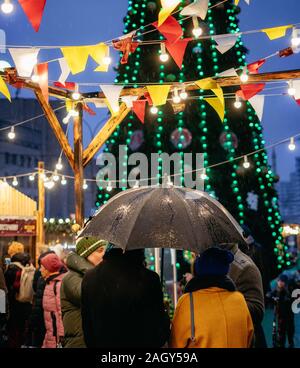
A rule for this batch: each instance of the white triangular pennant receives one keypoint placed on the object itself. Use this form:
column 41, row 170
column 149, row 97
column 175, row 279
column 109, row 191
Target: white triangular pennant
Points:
column 65, row 70
column 112, row 93
column 225, row 43
column 128, row 100
column 25, row 60
column 296, row 85
column 258, row 103
column 228, row 73
column 198, row 8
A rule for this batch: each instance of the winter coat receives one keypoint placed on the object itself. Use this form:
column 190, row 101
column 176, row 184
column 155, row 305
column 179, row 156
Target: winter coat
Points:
column 18, row 312
column 221, row 316
column 52, row 311
column 70, row 294
column 247, row 278
column 2, row 281
column 122, row 305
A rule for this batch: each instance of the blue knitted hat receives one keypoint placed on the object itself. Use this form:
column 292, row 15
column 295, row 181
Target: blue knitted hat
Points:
column 213, row 262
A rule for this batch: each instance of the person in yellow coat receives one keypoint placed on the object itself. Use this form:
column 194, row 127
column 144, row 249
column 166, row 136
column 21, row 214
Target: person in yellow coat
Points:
column 211, row 313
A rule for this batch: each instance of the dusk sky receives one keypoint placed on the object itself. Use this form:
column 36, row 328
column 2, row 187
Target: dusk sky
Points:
column 69, row 22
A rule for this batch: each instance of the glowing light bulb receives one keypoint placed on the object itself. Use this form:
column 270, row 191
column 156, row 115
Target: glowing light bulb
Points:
column 66, row 119
column 246, row 163
column 203, row 175
column 238, row 103
column 107, row 60
column 164, row 57
column 109, row 188
column 291, row 90
column 31, row 177
column 244, row 77
column 292, row 145
column 183, row 94
column 63, row 181
column 59, row 164
column 154, row 110
column 49, row 184
column 85, row 185
column 55, row 176
column 35, row 78
column 7, row 7
column 12, row 135
column 76, row 95
column 15, row 181
column 197, row 31
column 176, row 98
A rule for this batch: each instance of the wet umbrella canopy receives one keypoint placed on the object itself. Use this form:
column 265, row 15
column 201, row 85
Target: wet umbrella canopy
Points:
column 174, row 217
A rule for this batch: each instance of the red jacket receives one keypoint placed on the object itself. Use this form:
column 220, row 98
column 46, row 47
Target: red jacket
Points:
column 52, row 311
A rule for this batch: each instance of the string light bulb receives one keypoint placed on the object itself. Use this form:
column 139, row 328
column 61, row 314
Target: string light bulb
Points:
column 176, row 98
column 164, row 57
column 109, row 187
column 15, row 181
column 154, row 110
column 55, row 176
column 292, row 145
column 12, row 135
column 291, row 89
column 59, row 164
column 237, row 103
column 244, row 76
column 183, row 94
column 31, row 177
column 85, row 185
column 197, row 30
column 203, row 175
column 7, row 7
column 35, row 78
column 76, row 95
column 66, row 119
column 49, row 184
column 246, row 163
column 63, row 181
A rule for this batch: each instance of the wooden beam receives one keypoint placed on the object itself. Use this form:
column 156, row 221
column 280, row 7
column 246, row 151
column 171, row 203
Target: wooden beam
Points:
column 55, row 125
column 40, row 236
column 102, row 136
column 78, row 168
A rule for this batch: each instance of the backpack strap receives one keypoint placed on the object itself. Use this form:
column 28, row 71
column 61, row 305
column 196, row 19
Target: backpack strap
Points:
column 55, row 287
column 192, row 317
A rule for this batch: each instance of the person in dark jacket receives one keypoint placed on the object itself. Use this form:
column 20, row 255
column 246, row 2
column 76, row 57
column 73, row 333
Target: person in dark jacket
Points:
column 89, row 253
column 247, row 278
column 284, row 315
column 3, row 302
column 37, row 329
column 122, row 304
column 19, row 312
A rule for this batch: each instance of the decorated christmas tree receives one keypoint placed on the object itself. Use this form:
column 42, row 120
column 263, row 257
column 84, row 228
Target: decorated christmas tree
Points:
column 245, row 187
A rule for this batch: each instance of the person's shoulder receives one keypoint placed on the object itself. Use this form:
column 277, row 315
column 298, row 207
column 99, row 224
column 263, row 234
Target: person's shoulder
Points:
column 242, row 261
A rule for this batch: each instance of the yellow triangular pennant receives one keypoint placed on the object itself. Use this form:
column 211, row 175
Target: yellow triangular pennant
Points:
column 76, row 57
column 216, row 104
column 69, row 105
column 219, row 93
column 207, row 83
column 236, row 2
column 4, row 90
column 113, row 112
column 276, row 32
column 159, row 94
column 98, row 53
column 166, row 10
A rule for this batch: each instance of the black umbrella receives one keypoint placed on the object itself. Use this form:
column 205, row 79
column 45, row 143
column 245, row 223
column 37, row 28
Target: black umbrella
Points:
column 156, row 217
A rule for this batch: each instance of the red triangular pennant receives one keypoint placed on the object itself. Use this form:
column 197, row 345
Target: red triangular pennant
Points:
column 171, row 29
column 253, row 67
column 34, row 10
column 42, row 72
column 67, row 85
column 88, row 110
column 249, row 90
column 139, row 107
column 148, row 98
column 297, row 101
column 177, row 50
column 127, row 46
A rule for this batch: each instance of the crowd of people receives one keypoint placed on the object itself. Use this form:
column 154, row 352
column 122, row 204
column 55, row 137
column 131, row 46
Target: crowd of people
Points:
column 99, row 296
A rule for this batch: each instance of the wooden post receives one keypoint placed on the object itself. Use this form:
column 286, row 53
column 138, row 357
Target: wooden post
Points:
column 40, row 238
column 78, row 167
